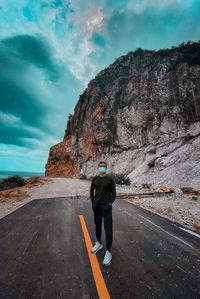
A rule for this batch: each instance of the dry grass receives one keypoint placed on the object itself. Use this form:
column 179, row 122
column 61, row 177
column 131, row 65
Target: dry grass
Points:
column 159, row 210
column 169, row 210
column 196, row 227
column 163, row 210
column 20, row 193
column 16, row 193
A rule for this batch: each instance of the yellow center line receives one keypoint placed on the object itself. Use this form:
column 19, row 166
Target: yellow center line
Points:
column 98, row 277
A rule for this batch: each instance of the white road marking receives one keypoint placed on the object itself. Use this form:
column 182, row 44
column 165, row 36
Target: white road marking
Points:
column 191, row 232
column 186, row 243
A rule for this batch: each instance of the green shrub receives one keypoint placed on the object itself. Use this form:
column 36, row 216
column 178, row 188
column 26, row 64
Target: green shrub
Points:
column 152, row 162
column 187, row 189
column 121, row 178
column 146, row 186
column 12, row 182
column 83, row 177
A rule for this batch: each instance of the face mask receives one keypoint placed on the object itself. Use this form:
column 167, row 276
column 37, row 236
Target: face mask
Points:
column 102, row 169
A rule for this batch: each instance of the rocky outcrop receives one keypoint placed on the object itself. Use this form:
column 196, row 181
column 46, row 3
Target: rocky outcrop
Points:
column 136, row 114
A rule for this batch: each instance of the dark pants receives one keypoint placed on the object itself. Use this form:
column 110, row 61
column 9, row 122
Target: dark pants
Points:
column 103, row 211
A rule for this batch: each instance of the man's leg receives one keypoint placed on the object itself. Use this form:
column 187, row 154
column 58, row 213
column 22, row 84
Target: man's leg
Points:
column 107, row 215
column 98, row 221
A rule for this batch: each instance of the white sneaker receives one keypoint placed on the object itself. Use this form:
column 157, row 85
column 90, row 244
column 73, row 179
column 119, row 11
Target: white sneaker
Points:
column 96, row 247
column 107, row 258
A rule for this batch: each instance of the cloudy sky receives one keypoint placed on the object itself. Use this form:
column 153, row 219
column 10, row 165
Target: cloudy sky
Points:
column 50, row 50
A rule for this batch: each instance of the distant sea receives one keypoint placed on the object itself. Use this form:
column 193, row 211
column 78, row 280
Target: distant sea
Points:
column 25, row 174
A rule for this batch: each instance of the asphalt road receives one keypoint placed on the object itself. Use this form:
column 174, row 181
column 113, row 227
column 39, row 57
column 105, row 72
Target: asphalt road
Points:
column 43, row 253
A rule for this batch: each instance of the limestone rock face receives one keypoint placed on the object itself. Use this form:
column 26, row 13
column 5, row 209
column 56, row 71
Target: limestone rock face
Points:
column 144, row 102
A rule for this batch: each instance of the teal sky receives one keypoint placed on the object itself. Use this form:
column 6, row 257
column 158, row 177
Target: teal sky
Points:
column 50, row 50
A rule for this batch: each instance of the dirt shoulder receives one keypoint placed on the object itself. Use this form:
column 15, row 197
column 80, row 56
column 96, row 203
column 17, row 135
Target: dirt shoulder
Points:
column 178, row 208
column 13, row 198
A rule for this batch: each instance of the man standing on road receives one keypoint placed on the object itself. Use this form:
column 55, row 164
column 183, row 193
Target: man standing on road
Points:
column 105, row 193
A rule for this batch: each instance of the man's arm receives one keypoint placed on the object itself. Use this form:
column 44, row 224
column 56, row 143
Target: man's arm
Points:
column 113, row 190
column 92, row 190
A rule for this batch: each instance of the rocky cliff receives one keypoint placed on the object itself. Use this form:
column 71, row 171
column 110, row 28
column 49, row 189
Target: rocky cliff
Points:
column 142, row 115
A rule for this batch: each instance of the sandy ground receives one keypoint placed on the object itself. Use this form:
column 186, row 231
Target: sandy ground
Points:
column 177, row 207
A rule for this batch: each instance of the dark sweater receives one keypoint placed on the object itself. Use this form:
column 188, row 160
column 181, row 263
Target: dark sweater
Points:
column 105, row 191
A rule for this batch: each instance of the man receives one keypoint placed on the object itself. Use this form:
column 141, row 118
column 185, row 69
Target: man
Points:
column 105, row 193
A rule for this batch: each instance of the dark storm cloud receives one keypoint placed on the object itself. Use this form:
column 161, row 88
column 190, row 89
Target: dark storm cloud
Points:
column 15, row 100
column 16, row 134
column 29, row 49
column 24, row 62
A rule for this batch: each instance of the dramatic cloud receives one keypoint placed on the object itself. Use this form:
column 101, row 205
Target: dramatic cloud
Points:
column 50, row 50
column 32, row 50
column 144, row 24
column 31, row 87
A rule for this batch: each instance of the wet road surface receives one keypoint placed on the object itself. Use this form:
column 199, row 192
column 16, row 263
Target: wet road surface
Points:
column 43, row 253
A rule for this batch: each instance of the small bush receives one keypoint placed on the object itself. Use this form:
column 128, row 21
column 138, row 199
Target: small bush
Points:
column 187, row 138
column 159, row 210
column 152, row 151
column 120, row 178
column 151, row 163
column 12, row 182
column 187, row 189
column 83, row 177
column 146, row 186
column 169, row 210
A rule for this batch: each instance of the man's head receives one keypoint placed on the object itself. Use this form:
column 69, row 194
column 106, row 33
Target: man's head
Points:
column 102, row 166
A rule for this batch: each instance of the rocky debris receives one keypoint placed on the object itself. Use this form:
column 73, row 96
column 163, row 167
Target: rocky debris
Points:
column 178, row 164
column 142, row 115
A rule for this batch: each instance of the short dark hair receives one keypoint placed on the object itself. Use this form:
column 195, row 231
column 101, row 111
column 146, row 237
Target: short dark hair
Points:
column 102, row 162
